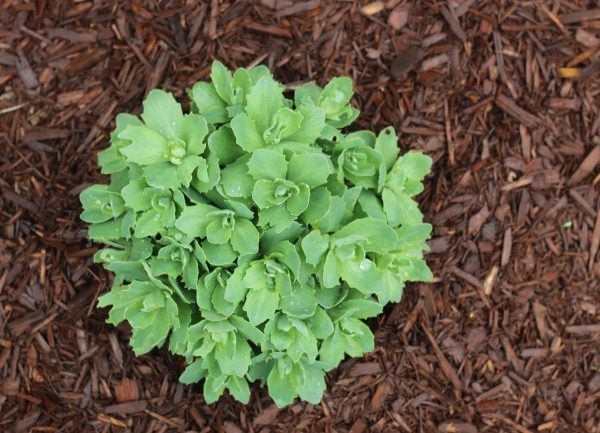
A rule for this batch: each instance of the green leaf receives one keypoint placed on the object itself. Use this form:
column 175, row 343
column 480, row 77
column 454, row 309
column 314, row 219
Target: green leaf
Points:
column 193, row 373
column 298, row 203
column 312, row 169
column 319, row 205
column 149, row 223
column 239, row 389
column 222, row 144
column 233, row 356
column 331, row 352
column 400, row 209
column 263, row 101
column 387, row 145
column 413, row 165
column 193, row 133
column 106, row 231
column 235, row 290
column 134, row 197
column 235, row 179
column 371, row 205
column 162, row 175
column 362, row 275
column 267, row 164
column 285, row 122
column 194, row 220
column 300, row 303
column 246, row 133
column 208, row 103
column 261, row 305
column 331, row 277
column 219, row 255
column 147, row 146
column 321, row 324
column 263, row 192
column 356, row 308
column 186, row 169
column 162, row 113
column 216, row 233
column 377, row 234
column 281, row 386
column 245, row 237
column 248, row 330
column 213, row 387
column 307, row 94
column 314, row 384
column 222, row 81
column 313, row 121
column 314, row 245
column 258, row 72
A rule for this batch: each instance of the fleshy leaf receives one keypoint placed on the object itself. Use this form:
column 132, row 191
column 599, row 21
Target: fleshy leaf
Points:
column 163, row 114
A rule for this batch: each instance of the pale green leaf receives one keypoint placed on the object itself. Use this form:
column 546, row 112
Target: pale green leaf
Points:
column 263, row 101
column 314, row 245
column 387, row 145
column 208, row 103
column 298, row 202
column 193, row 133
column 162, row 175
column 194, row 220
column 246, row 133
column 239, row 389
column 147, row 146
column 267, row 164
column 163, row 113
column 222, row 80
column 261, row 305
column 245, row 236
column 193, row 373
column 312, row 169
column 222, row 144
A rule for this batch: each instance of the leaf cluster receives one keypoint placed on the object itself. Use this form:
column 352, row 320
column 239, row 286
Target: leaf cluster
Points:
column 252, row 235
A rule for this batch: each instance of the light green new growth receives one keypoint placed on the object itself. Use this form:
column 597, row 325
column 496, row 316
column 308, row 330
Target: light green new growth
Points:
column 252, row 235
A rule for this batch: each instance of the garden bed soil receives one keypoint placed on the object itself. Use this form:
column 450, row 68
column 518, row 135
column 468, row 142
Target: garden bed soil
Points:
column 503, row 95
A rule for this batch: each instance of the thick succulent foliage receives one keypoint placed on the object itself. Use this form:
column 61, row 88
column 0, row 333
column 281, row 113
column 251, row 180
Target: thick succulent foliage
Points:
column 252, row 235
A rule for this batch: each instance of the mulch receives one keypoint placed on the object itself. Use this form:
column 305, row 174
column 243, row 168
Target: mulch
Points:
column 503, row 95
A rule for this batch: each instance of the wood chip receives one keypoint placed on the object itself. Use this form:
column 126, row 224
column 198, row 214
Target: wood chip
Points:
column 379, row 396
column 506, row 247
column 127, row 407
column 456, row 427
column 127, row 390
column 578, row 16
column 509, row 106
column 71, row 35
column 583, row 329
column 595, row 243
column 25, row 71
column 399, row 16
column 453, row 22
column 407, row 61
column 373, row 8
column 586, row 167
column 359, row 426
column 477, row 220
column 449, row 372
column 266, row 416
column 490, row 280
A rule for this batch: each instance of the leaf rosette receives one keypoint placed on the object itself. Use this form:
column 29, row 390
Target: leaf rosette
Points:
column 252, row 235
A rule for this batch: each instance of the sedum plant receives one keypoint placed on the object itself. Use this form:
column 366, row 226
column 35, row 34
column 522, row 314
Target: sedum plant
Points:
column 252, row 235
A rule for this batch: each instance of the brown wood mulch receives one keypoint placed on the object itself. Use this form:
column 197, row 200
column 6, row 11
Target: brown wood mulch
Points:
column 503, row 95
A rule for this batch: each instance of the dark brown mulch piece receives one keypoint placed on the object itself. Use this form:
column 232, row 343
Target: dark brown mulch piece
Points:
column 502, row 95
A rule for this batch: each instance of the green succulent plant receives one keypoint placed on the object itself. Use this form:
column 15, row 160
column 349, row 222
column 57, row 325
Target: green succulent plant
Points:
column 252, row 235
